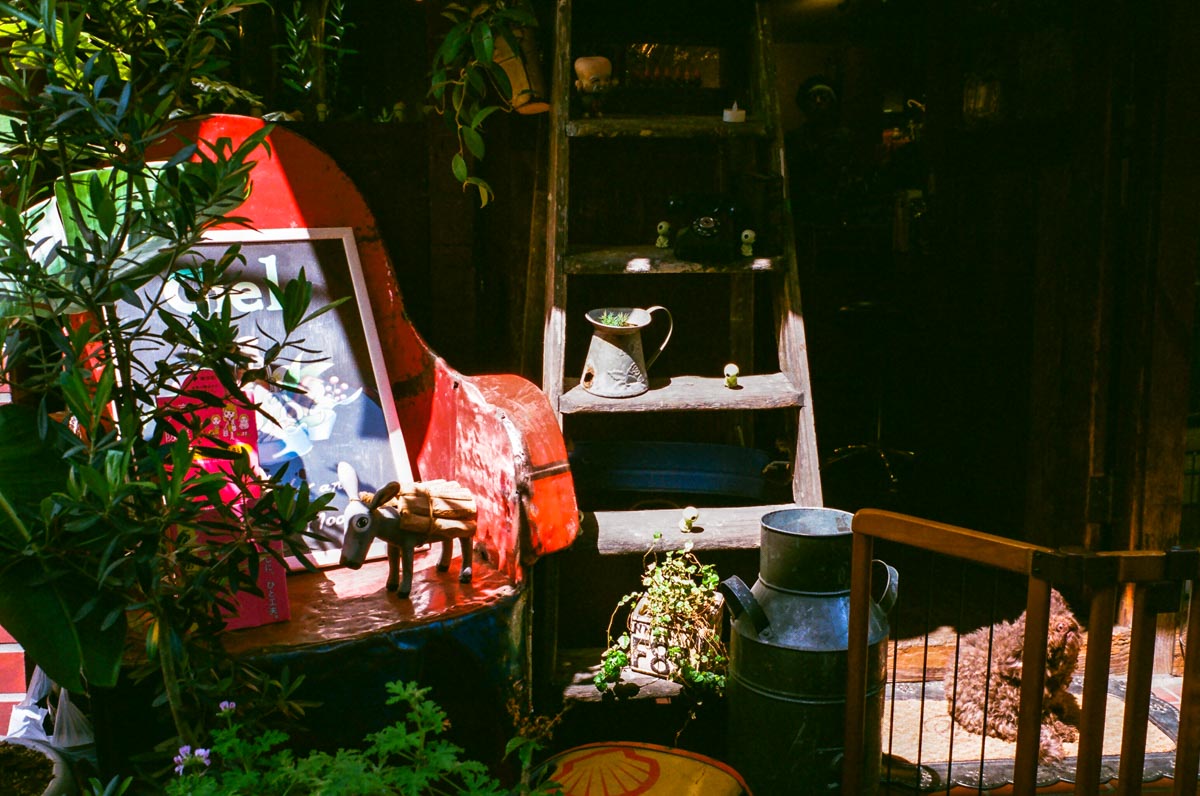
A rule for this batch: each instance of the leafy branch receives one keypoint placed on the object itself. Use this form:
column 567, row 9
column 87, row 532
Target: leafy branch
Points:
column 467, row 85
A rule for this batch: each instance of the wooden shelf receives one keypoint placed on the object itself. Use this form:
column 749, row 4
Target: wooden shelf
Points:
column 689, row 393
column 653, row 260
column 625, row 532
column 665, row 127
column 578, row 667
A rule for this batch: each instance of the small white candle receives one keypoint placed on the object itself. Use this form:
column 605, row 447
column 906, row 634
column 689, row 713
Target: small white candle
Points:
column 734, row 114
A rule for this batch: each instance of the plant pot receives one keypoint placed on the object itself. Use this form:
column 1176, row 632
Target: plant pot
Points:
column 27, row 765
column 524, row 71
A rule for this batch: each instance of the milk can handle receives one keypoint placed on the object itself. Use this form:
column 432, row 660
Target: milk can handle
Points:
column 888, row 598
column 740, row 599
column 670, row 328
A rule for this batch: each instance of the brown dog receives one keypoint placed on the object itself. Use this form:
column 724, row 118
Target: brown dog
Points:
column 971, row 684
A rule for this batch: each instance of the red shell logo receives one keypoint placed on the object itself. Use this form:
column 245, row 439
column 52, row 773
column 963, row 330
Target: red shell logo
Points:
column 608, row 772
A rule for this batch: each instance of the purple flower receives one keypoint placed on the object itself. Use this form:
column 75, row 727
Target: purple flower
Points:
column 227, row 706
column 181, row 759
column 186, row 757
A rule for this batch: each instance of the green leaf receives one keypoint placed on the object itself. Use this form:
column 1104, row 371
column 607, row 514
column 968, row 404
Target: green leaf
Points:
column 474, row 142
column 103, row 205
column 12, row 11
column 482, row 41
column 485, row 190
column 459, row 166
column 481, row 115
column 452, row 45
column 39, row 611
column 40, row 597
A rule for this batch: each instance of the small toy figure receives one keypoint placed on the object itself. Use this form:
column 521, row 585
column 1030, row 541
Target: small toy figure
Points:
column 690, row 515
column 405, row 523
column 594, row 80
column 664, row 235
column 731, row 374
column 748, row 237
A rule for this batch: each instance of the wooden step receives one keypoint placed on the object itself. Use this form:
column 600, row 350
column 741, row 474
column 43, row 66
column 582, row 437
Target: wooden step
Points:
column 689, row 393
column 625, row 532
column 653, row 260
column 665, row 127
column 576, row 670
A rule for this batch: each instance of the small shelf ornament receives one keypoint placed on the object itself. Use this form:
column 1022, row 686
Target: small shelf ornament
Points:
column 731, row 376
column 688, row 520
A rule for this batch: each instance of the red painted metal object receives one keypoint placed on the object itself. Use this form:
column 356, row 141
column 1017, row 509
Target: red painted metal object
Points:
column 496, row 435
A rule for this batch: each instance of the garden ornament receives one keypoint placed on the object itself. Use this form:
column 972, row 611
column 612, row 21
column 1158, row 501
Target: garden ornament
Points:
column 402, row 530
column 594, row 80
column 748, row 237
column 731, row 374
column 663, row 241
column 690, row 515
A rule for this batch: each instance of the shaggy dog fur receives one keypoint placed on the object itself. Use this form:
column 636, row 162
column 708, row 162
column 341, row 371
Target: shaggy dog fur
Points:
column 969, row 686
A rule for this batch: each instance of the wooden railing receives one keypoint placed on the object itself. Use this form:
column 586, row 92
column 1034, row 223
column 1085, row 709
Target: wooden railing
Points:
column 1156, row 578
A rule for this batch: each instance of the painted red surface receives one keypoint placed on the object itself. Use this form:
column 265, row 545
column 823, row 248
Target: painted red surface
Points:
column 494, row 434
column 12, row 677
column 12, row 673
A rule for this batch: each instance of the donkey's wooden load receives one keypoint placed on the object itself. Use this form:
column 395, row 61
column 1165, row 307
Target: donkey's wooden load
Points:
column 405, row 516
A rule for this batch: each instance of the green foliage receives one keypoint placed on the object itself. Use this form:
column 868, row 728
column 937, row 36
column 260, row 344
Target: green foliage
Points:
column 116, row 786
column 410, row 756
column 114, row 530
column 467, row 85
column 613, row 318
column 312, row 53
column 684, row 616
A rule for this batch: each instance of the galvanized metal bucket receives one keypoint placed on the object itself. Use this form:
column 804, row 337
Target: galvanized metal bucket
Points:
column 615, row 366
column 786, row 690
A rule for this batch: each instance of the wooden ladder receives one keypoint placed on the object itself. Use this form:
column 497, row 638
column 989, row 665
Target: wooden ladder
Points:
column 786, row 388
column 758, row 139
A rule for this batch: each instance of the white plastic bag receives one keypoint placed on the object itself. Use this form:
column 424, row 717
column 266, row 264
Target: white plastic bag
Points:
column 27, row 718
column 71, row 726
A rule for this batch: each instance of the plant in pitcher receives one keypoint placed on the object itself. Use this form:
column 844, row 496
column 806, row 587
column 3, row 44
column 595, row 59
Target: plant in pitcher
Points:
column 615, row 318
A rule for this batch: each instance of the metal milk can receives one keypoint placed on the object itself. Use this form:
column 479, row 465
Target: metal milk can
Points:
column 615, row 367
column 786, row 689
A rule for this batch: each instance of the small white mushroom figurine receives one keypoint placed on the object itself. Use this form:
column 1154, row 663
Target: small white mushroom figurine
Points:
column 748, row 237
column 664, row 235
column 690, row 515
column 731, row 374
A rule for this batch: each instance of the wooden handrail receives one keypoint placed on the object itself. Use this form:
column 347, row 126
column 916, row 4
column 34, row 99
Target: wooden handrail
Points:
column 950, row 540
column 1157, row 576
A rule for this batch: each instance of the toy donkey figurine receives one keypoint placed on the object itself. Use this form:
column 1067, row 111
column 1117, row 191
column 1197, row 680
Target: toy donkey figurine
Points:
column 419, row 516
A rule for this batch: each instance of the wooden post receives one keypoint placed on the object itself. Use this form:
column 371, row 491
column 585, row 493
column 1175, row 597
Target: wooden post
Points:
column 1095, row 690
column 1187, row 747
column 856, row 663
column 1033, row 685
column 1137, row 694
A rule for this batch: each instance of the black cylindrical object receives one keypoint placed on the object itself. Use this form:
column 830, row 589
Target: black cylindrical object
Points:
column 786, row 690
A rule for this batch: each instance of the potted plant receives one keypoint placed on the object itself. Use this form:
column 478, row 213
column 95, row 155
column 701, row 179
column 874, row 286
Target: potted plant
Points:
column 33, row 768
column 672, row 625
column 486, row 62
column 615, row 366
column 107, row 526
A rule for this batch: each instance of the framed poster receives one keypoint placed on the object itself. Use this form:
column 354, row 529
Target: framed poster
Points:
column 344, row 411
